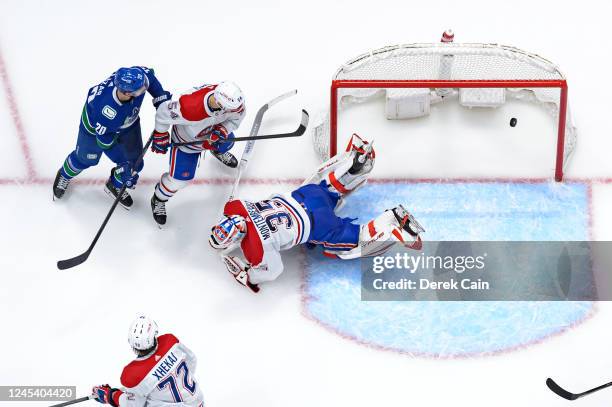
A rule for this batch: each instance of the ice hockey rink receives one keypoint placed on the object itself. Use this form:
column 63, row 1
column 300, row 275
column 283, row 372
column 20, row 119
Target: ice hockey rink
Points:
column 305, row 339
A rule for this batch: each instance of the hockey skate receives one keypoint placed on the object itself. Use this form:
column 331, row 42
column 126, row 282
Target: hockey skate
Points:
column 407, row 221
column 226, row 158
column 409, row 224
column 125, row 200
column 158, row 207
column 60, row 185
column 364, row 156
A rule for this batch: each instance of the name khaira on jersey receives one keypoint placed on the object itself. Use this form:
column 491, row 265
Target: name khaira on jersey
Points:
column 165, row 366
column 258, row 220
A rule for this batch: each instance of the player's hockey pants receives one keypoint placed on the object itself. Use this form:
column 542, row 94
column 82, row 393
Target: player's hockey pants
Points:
column 87, row 153
column 183, row 164
column 326, row 229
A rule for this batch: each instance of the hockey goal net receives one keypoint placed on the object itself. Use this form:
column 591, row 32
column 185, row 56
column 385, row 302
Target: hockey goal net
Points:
column 415, row 76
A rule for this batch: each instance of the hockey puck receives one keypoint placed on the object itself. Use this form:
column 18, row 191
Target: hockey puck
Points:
column 513, row 122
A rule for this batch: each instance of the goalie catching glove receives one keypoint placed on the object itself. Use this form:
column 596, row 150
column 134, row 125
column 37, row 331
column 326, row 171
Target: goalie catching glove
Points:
column 240, row 270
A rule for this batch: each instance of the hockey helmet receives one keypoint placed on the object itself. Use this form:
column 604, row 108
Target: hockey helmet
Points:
column 228, row 231
column 132, row 81
column 142, row 335
column 229, row 96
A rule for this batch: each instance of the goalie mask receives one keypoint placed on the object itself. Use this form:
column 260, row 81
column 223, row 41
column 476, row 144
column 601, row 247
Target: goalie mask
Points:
column 229, row 231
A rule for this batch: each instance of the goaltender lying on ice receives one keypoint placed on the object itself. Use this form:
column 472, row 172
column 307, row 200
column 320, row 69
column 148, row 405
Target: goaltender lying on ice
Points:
column 307, row 215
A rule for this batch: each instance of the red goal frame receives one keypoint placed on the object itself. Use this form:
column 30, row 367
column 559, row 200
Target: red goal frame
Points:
column 372, row 83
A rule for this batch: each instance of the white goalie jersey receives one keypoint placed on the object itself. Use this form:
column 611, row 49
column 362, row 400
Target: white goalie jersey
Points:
column 163, row 379
column 192, row 119
column 275, row 224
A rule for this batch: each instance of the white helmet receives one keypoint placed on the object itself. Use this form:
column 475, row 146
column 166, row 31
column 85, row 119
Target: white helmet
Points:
column 229, row 96
column 143, row 334
column 229, row 231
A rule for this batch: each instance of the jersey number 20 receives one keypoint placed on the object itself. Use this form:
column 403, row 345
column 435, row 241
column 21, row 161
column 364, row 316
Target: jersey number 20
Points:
column 179, row 377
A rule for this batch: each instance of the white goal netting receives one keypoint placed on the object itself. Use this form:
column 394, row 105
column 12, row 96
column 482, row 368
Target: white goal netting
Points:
column 478, row 75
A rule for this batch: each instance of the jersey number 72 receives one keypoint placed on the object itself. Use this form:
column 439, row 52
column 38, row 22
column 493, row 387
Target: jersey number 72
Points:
column 178, row 378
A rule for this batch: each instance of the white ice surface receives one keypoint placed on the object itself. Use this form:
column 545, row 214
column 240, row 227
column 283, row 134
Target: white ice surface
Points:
column 70, row 327
column 12, row 164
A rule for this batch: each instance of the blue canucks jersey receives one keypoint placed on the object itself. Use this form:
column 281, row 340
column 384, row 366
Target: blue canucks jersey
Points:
column 105, row 117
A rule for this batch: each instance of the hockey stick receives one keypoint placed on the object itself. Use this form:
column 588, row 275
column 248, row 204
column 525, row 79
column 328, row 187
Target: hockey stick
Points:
column 561, row 392
column 67, row 403
column 297, row 133
column 81, row 258
column 248, row 149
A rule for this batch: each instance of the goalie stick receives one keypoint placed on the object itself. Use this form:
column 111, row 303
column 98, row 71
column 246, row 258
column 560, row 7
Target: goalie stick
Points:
column 248, row 149
column 67, row 403
column 81, row 258
column 297, row 133
column 230, row 264
column 561, row 392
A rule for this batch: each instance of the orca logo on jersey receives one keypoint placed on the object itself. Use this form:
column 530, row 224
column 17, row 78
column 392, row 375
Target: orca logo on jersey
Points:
column 165, row 366
column 109, row 112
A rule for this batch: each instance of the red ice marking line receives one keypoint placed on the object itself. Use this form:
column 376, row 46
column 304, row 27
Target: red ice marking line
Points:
column 14, row 111
column 296, row 181
column 590, row 211
column 37, row 181
column 329, row 328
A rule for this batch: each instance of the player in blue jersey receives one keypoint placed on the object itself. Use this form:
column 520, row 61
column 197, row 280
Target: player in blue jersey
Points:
column 110, row 124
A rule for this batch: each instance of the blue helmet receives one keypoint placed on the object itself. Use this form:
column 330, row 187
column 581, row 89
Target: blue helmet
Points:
column 130, row 80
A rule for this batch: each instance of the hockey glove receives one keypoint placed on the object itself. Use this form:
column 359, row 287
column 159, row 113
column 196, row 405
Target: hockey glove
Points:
column 239, row 269
column 125, row 175
column 161, row 142
column 106, row 395
column 219, row 132
column 161, row 98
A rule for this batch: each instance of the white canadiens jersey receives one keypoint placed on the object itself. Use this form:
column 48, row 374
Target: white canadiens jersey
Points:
column 192, row 119
column 163, row 379
column 275, row 224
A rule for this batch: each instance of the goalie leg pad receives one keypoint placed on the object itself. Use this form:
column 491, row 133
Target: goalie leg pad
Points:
column 346, row 172
column 360, row 155
column 380, row 234
column 168, row 186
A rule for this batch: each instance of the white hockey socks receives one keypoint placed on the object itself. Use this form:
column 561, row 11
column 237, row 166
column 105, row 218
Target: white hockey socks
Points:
column 168, row 186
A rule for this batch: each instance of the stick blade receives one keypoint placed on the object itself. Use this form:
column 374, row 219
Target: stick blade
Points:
column 559, row 391
column 280, row 98
column 304, row 122
column 73, row 262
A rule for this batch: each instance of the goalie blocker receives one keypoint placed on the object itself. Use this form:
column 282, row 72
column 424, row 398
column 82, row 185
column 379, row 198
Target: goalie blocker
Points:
column 261, row 230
